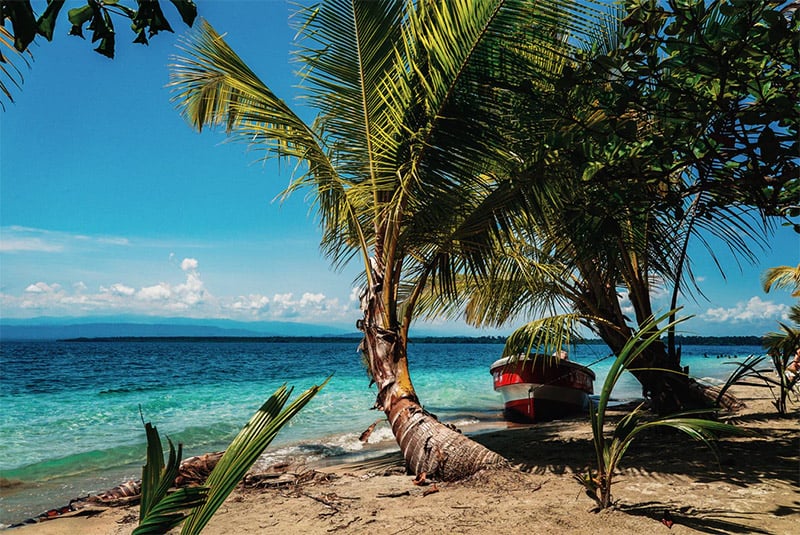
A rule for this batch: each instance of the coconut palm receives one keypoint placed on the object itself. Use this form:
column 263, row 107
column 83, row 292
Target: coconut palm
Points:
column 575, row 248
column 400, row 158
column 610, row 198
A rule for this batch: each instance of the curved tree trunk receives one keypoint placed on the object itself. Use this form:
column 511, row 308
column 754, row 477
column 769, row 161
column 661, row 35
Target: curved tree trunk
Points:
column 664, row 381
column 428, row 446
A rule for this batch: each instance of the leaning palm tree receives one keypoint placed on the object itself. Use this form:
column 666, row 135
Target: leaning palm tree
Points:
column 399, row 158
column 605, row 207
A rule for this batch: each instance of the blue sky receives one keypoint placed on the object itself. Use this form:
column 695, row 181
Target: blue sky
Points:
column 110, row 204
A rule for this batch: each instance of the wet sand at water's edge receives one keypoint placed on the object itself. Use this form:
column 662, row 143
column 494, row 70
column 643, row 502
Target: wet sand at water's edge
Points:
column 754, row 488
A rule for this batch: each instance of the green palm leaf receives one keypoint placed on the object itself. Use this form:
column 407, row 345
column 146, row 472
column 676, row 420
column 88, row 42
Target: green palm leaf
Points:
column 245, row 449
column 161, row 510
column 171, row 511
column 11, row 76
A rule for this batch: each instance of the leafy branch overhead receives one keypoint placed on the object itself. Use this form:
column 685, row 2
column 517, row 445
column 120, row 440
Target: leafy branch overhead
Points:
column 96, row 16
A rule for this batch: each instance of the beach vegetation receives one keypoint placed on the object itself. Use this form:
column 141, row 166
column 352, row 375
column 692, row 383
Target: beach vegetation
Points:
column 610, row 450
column 784, row 345
column 745, row 370
column 163, row 509
column 672, row 131
column 511, row 158
column 146, row 20
column 402, row 157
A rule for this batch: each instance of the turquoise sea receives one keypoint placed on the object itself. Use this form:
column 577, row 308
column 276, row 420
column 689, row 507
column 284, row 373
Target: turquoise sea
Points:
column 71, row 412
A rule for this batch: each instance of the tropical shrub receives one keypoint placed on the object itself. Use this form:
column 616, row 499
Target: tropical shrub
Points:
column 610, row 450
column 782, row 346
column 162, row 510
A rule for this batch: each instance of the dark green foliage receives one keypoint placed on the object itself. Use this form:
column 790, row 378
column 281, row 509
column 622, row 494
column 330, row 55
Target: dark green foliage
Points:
column 160, row 509
column 703, row 90
column 96, row 16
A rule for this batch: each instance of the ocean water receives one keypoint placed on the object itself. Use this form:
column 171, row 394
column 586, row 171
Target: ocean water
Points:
column 71, row 413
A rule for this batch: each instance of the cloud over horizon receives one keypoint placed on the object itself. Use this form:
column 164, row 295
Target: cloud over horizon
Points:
column 186, row 298
column 754, row 309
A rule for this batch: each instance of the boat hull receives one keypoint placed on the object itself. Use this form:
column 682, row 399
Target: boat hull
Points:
column 542, row 389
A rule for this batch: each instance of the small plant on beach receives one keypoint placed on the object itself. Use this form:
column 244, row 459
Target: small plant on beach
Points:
column 162, row 510
column 782, row 346
column 780, row 385
column 748, row 368
column 610, row 450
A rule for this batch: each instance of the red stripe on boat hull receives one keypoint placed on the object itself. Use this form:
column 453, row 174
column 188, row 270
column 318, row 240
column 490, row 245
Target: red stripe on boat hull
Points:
column 542, row 390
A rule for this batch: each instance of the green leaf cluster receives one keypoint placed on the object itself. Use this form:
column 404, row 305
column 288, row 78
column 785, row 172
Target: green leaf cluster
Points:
column 609, row 451
column 163, row 508
column 147, row 20
column 245, row 449
column 160, row 509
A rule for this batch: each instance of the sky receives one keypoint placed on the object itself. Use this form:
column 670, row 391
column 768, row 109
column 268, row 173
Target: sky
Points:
column 110, row 204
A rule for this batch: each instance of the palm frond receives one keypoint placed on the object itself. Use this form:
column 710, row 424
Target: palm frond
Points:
column 11, row 74
column 245, row 450
column 782, row 277
column 746, row 368
column 545, row 335
column 161, row 510
column 171, row 510
column 212, row 86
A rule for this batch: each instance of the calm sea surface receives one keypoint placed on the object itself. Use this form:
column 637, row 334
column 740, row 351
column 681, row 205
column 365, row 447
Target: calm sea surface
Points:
column 71, row 412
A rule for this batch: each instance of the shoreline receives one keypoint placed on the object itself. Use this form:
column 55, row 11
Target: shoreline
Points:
column 754, row 488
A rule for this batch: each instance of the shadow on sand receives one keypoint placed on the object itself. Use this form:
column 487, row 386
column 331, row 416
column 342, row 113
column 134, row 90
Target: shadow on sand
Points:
column 770, row 454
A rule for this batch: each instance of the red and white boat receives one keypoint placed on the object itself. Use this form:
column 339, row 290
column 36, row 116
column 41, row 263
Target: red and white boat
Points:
column 542, row 387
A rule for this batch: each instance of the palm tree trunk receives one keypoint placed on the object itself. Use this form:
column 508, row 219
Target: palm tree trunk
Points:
column 669, row 391
column 428, row 446
column 662, row 378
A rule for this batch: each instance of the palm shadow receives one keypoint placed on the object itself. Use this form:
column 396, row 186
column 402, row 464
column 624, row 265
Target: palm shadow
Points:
column 773, row 454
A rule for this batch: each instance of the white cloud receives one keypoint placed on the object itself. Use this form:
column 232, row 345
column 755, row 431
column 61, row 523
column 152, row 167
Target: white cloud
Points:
column 158, row 292
column 355, row 294
column 189, row 264
column 188, row 297
column 14, row 245
column 252, row 303
column 283, row 299
column 121, row 289
column 751, row 310
column 625, row 304
column 18, row 239
column 42, row 287
column 312, row 299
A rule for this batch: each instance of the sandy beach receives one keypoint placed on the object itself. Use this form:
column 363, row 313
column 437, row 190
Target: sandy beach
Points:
column 755, row 488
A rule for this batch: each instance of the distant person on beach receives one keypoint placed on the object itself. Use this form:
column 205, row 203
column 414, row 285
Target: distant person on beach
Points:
column 561, row 354
column 794, row 367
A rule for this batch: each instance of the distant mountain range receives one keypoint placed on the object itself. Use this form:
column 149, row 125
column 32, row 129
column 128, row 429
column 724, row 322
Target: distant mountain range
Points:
column 49, row 328
column 55, row 328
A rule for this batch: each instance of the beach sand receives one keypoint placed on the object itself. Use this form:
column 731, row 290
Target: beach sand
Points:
column 755, row 488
